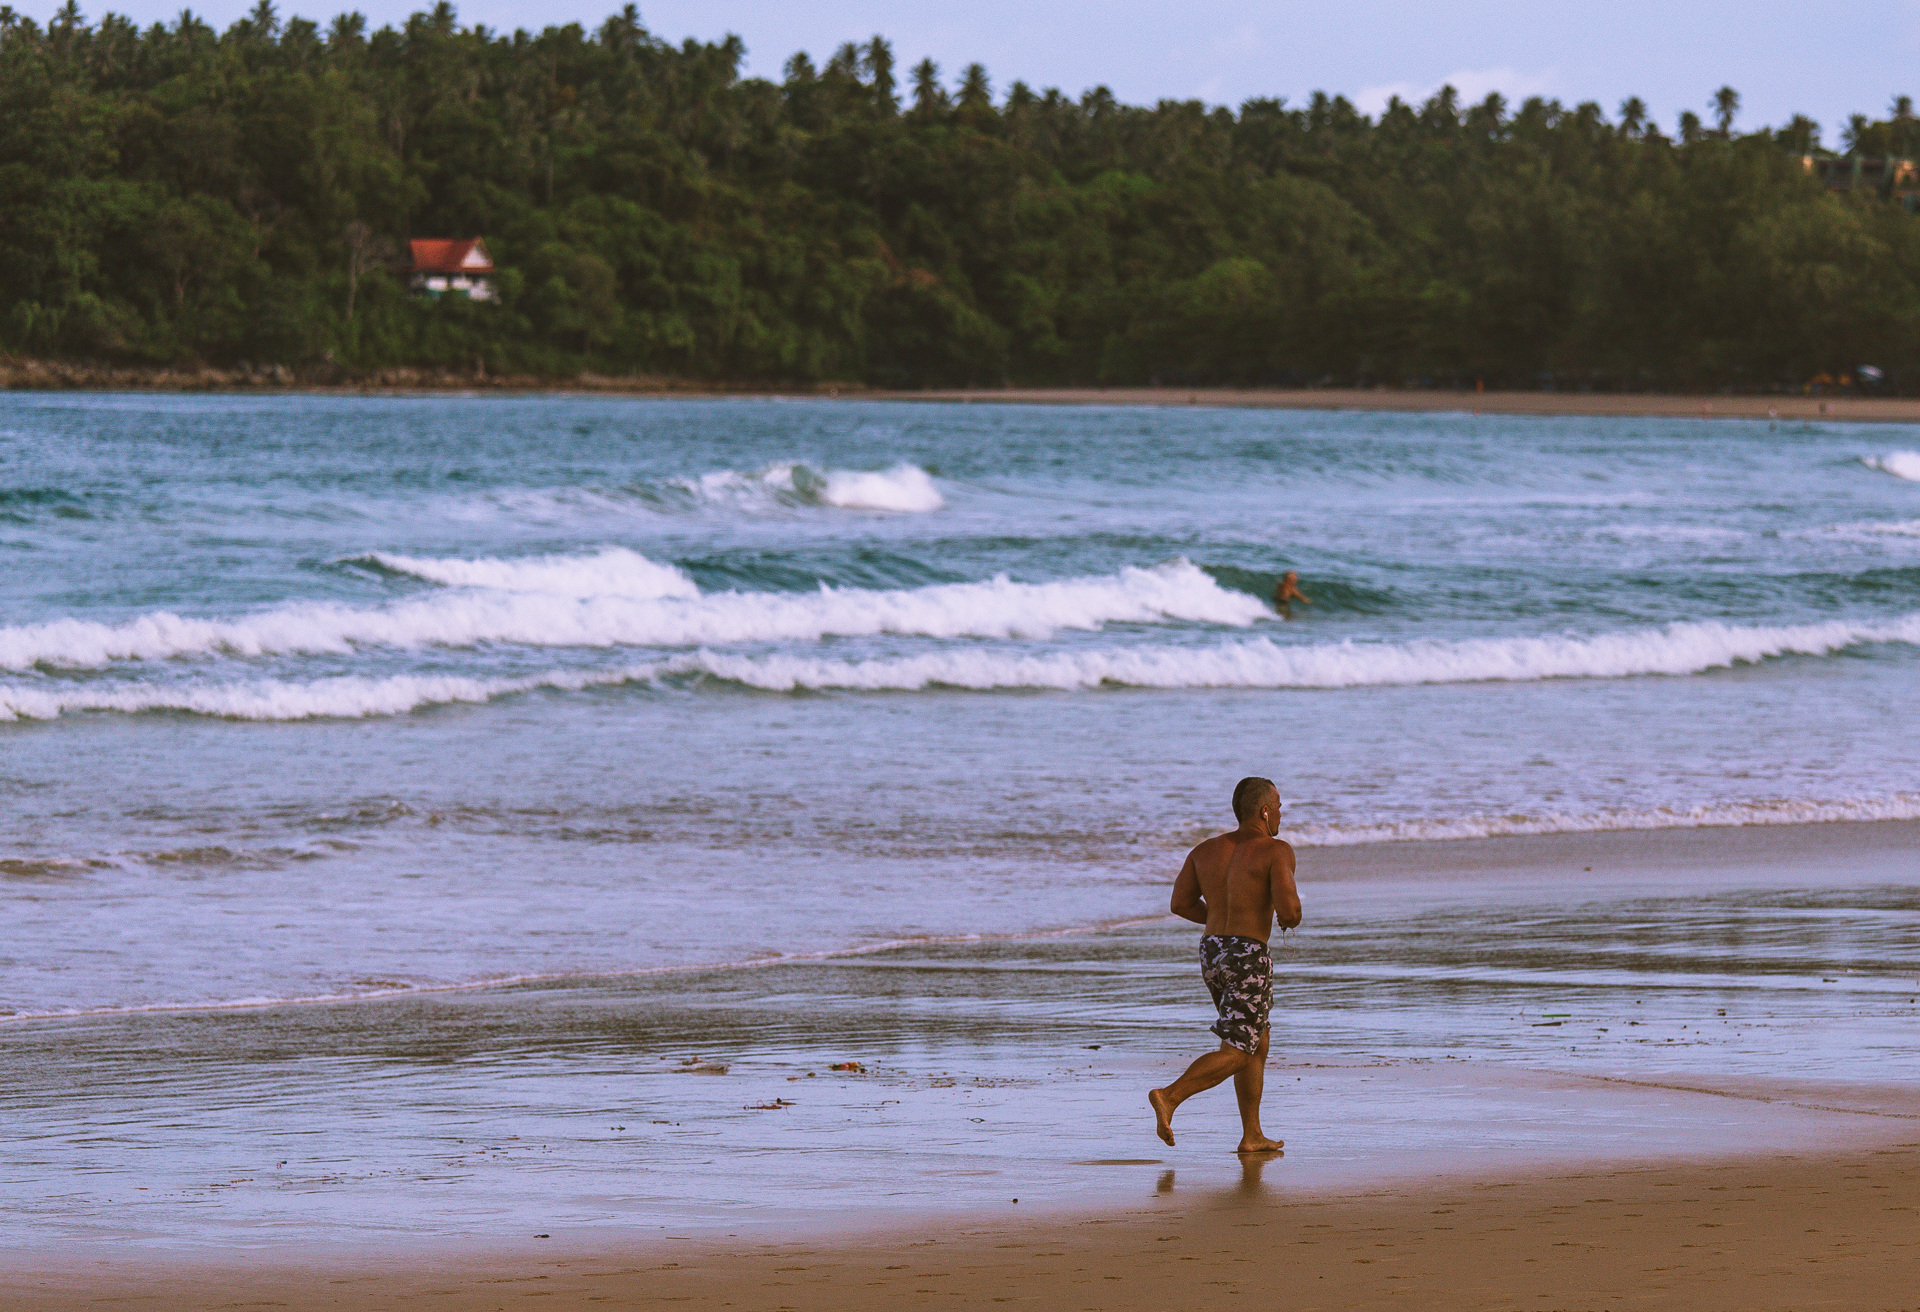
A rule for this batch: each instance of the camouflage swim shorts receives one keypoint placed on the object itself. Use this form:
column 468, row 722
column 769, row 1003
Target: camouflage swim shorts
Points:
column 1239, row 974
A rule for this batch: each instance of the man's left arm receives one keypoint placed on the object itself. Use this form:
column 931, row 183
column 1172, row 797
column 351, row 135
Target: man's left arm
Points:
column 1286, row 897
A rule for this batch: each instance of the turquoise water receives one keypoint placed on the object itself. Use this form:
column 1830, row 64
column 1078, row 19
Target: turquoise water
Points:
column 510, row 730
column 319, row 696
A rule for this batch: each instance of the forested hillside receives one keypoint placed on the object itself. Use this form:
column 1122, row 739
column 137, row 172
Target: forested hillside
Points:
column 181, row 194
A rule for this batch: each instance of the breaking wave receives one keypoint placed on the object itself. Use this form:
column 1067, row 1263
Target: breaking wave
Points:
column 1679, row 649
column 778, row 489
column 904, row 489
column 611, row 572
column 997, row 608
column 1901, row 464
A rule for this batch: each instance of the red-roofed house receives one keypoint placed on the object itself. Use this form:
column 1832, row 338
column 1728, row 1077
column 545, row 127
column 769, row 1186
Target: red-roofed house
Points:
column 445, row 264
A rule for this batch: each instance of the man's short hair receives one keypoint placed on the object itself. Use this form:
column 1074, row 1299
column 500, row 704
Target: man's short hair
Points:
column 1248, row 793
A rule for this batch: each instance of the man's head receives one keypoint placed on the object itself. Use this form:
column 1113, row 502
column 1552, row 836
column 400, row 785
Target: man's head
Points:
column 1255, row 799
column 1291, row 576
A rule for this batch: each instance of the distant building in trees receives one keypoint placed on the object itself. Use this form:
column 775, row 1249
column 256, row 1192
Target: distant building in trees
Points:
column 445, row 264
column 1891, row 176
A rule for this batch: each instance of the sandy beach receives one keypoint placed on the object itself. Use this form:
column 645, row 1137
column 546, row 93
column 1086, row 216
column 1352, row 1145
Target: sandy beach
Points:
column 1502, row 1172
column 1758, row 1231
column 1840, row 409
column 28, row 375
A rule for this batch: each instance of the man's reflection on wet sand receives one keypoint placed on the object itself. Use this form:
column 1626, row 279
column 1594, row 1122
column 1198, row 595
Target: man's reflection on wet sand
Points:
column 1250, row 1186
column 1251, row 1165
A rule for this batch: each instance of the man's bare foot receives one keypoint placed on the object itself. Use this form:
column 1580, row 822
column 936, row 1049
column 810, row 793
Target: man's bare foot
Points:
column 1262, row 1144
column 1162, row 1115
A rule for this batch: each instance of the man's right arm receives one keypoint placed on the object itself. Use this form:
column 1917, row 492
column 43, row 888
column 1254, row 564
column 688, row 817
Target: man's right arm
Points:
column 1188, row 903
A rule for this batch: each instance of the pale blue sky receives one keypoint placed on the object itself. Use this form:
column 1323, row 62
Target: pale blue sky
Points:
column 1826, row 60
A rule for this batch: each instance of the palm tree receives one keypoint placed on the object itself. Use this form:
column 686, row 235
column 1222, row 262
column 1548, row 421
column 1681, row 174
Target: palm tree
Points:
column 878, row 63
column 1633, row 116
column 975, row 91
column 1689, row 126
column 1856, row 134
column 622, row 31
column 348, row 31
column 1801, row 135
column 1725, row 103
column 845, row 64
column 928, row 95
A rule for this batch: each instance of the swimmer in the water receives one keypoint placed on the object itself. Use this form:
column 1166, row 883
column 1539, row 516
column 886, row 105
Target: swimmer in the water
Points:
column 1286, row 592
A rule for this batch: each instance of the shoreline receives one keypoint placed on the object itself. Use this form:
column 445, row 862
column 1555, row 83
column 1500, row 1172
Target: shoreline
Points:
column 1674, row 850
column 1756, row 1230
column 1655, row 854
column 1456, row 1169
column 55, row 377
column 1831, row 409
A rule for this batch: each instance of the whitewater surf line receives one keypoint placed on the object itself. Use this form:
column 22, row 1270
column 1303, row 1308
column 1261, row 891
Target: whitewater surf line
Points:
column 1259, row 663
column 665, row 616
column 1677, row 649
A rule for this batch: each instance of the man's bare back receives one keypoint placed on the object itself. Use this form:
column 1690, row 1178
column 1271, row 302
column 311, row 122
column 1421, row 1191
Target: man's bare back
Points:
column 1236, row 885
column 1236, row 879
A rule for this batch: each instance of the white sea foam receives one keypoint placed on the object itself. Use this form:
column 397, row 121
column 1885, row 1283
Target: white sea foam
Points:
column 997, row 608
column 1764, row 811
column 611, row 572
column 275, row 699
column 1679, row 649
column 780, row 488
column 905, row 488
column 1901, row 464
column 762, row 490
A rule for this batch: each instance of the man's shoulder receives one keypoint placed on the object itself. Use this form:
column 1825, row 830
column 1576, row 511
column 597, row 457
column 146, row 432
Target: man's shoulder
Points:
column 1213, row 848
column 1278, row 848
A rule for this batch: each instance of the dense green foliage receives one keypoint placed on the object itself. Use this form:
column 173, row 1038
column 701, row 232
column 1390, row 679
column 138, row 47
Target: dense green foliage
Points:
column 178, row 193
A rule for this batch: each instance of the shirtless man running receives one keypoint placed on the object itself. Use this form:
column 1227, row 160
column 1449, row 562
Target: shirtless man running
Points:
column 1236, row 885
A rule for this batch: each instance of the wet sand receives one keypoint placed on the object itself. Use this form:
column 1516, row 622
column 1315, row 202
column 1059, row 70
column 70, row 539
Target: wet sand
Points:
column 1843, row 409
column 1749, row 1232
column 1678, row 1078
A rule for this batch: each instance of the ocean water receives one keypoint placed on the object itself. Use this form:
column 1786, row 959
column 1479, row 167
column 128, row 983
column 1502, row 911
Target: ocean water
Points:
column 316, row 696
column 570, row 737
